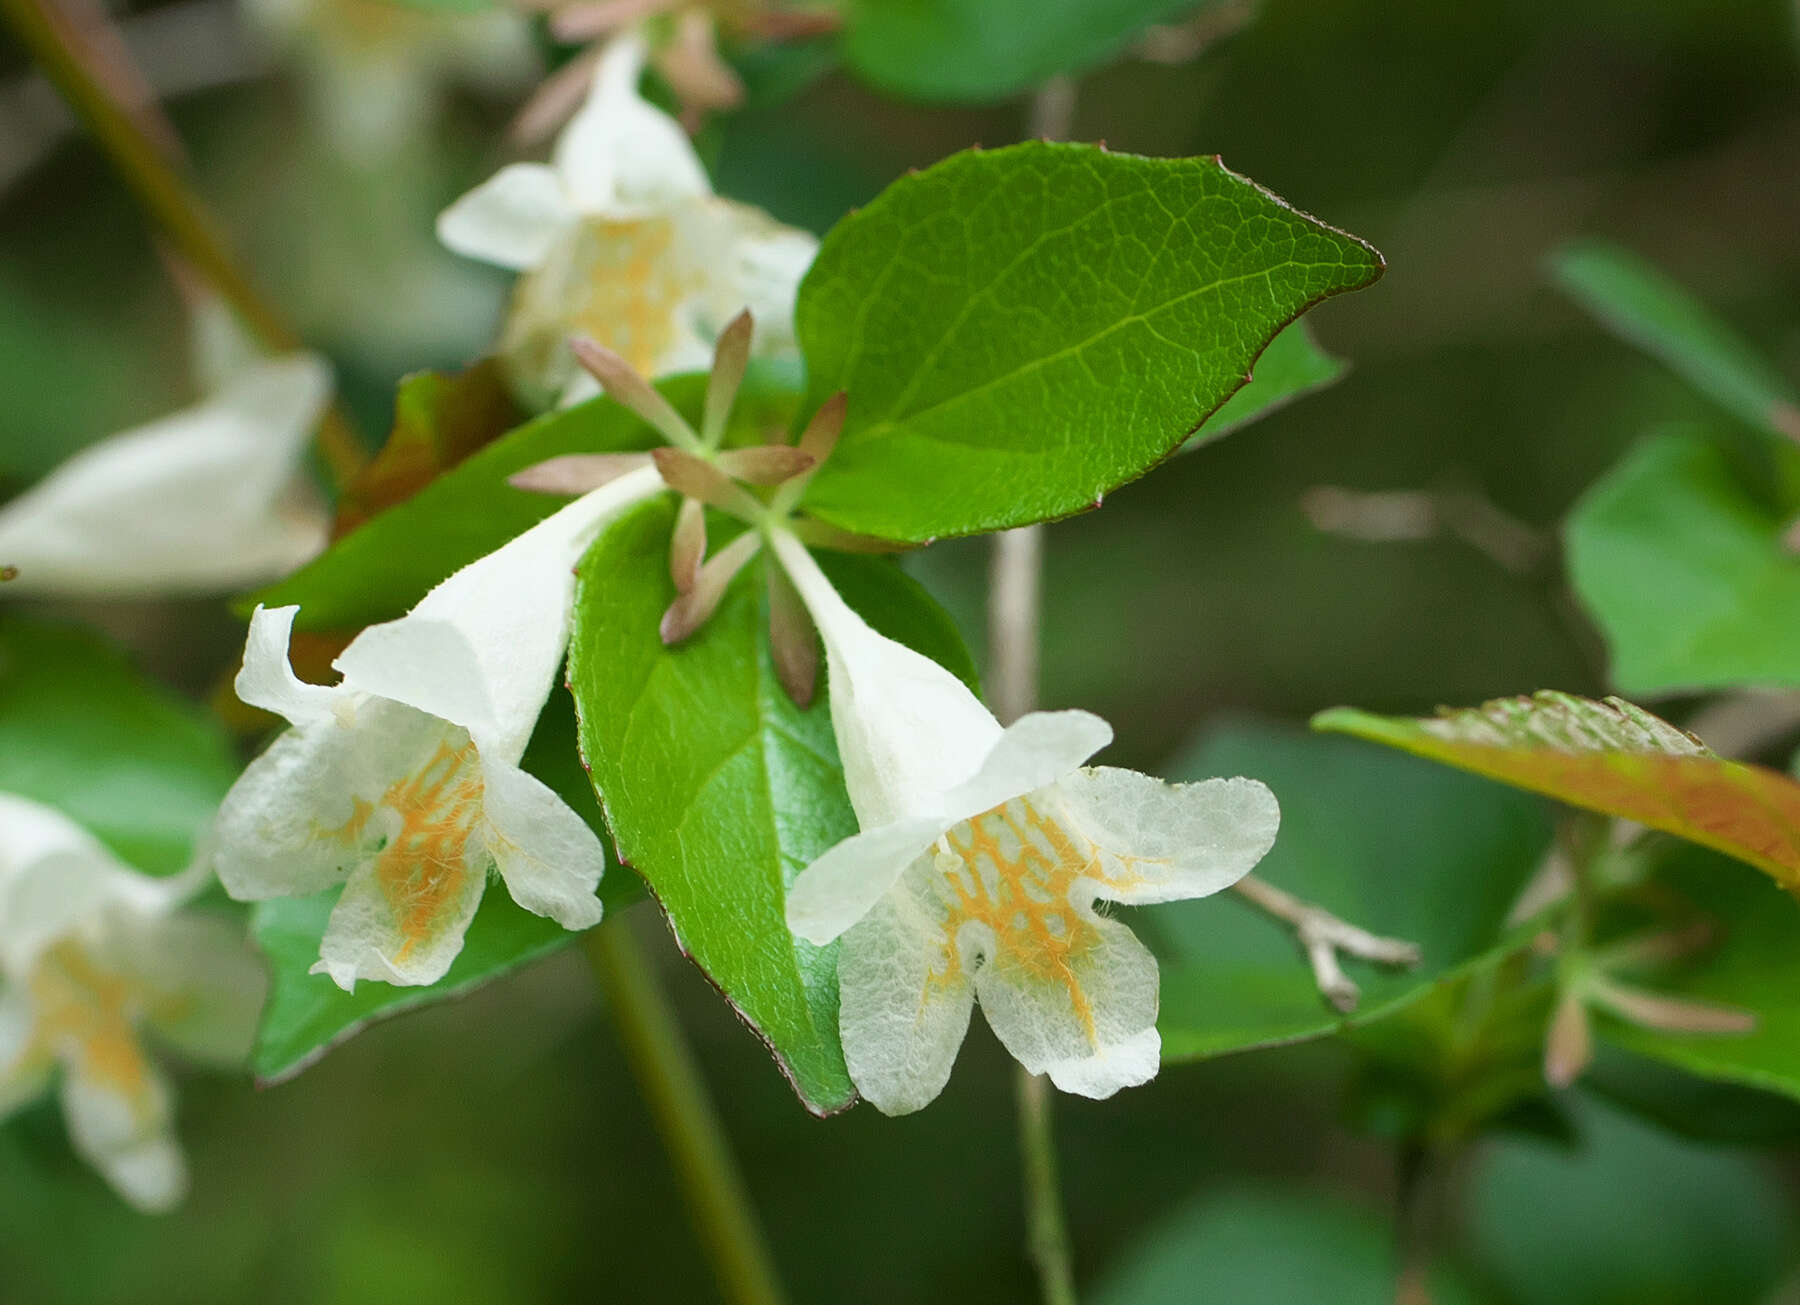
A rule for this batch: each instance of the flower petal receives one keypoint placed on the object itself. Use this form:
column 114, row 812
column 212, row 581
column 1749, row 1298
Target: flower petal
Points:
column 843, row 885
column 907, row 729
column 118, row 1110
column 771, row 260
column 188, row 504
column 511, row 220
column 54, row 876
column 202, row 982
column 25, row 1063
column 1162, row 842
column 401, row 919
column 620, row 156
column 549, row 858
column 1036, row 750
column 903, row 1000
column 482, row 649
column 296, row 821
column 267, row 679
column 1126, row 1064
column 1090, row 1004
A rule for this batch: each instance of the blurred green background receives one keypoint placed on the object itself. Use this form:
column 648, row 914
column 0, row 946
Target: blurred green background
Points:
column 493, row 1150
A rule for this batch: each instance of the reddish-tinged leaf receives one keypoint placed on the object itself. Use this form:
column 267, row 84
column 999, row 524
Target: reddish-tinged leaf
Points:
column 1614, row 758
column 439, row 419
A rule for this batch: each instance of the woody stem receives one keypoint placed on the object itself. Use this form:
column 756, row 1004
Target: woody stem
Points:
column 670, row 1081
column 170, row 203
column 1015, row 603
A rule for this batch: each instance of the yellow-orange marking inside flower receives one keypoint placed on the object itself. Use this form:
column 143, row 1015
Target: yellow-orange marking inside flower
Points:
column 619, row 282
column 423, row 869
column 1013, row 869
column 82, row 1007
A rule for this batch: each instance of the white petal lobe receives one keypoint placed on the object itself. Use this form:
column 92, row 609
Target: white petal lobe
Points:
column 1163, row 842
column 549, row 858
column 512, row 219
column 904, row 1002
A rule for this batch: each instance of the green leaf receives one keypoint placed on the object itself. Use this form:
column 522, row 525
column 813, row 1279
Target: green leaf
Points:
column 982, row 50
column 1232, row 978
column 1630, row 1216
column 1754, row 966
column 1640, row 304
column 1021, row 331
column 1269, row 1246
column 719, row 790
column 1292, row 366
column 307, row 1014
column 383, row 567
column 1686, row 574
column 82, row 731
column 1613, row 758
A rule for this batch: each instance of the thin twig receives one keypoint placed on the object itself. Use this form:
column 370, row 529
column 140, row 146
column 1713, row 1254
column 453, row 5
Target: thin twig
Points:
column 1015, row 609
column 670, row 1081
column 1046, row 1235
column 1015, row 603
column 1324, row 936
column 170, row 203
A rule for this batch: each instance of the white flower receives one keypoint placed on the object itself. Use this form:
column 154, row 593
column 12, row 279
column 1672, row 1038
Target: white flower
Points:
column 975, row 877
column 91, row 952
column 624, row 242
column 376, row 70
column 402, row 782
column 204, row 501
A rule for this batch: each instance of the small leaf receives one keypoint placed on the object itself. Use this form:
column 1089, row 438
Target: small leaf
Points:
column 84, row 732
column 1292, row 366
column 1642, row 305
column 1610, row 757
column 1753, row 967
column 982, row 50
column 1686, row 574
column 1232, row 978
column 718, row 789
column 1021, row 331
column 382, row 568
column 439, row 420
column 307, row 1014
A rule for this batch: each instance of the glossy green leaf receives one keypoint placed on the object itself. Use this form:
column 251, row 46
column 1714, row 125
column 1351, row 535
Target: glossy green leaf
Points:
column 1292, row 366
column 1641, row 304
column 384, row 566
column 307, row 1014
column 980, row 50
column 1630, row 1215
column 1273, row 1247
column 82, row 731
column 1021, row 331
column 1613, row 758
column 1686, row 574
column 718, row 789
column 1232, row 978
column 1753, row 966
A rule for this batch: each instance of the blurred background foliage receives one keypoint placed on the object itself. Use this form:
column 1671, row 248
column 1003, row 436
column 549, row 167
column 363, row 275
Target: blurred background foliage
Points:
column 493, row 1149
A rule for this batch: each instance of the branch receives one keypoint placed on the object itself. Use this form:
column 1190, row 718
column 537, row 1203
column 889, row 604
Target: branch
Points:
column 1323, row 936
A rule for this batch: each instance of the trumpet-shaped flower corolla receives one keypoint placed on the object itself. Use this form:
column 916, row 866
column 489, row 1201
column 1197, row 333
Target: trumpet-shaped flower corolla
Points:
column 402, row 782
column 92, row 956
column 982, row 855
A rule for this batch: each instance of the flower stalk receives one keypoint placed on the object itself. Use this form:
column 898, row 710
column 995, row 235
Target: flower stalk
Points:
column 171, row 204
column 670, row 1082
column 1015, row 618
